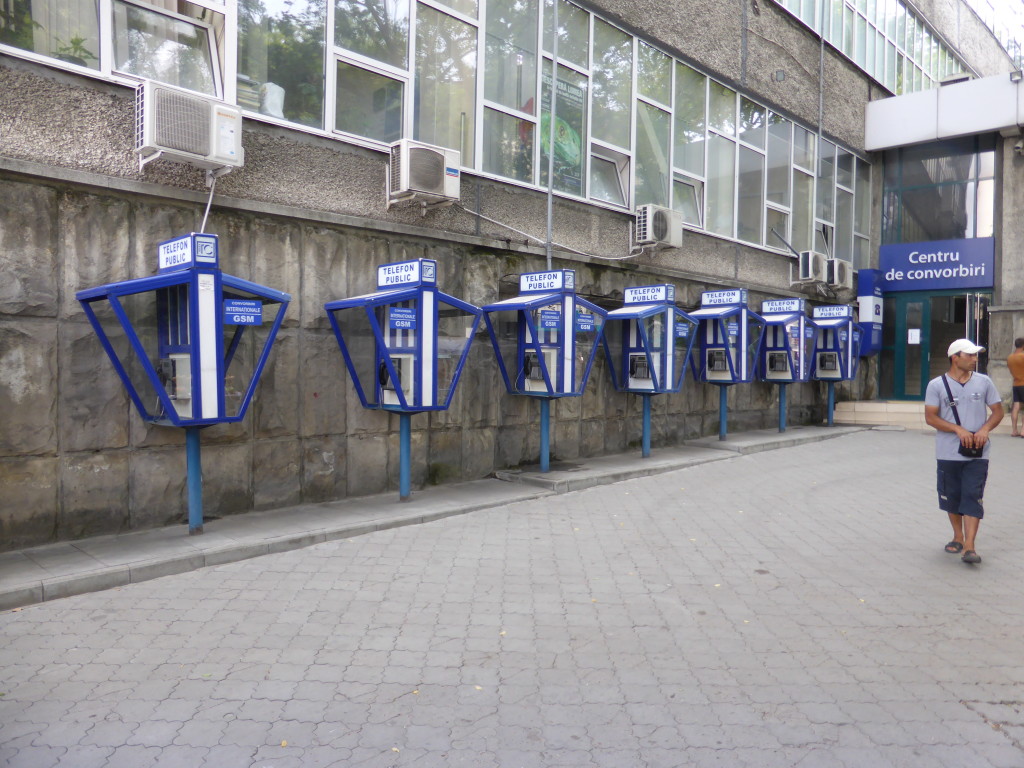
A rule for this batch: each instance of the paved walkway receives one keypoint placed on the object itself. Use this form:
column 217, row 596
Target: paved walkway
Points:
column 779, row 608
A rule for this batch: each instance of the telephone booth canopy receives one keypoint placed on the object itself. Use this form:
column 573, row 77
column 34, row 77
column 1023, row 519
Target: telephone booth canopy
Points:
column 787, row 342
column 189, row 343
column 546, row 338
column 729, row 334
column 837, row 343
column 648, row 341
column 405, row 346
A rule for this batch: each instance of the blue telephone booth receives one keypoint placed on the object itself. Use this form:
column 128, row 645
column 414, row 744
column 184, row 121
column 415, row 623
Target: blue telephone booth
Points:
column 648, row 343
column 836, row 348
column 729, row 334
column 405, row 345
column 784, row 356
column 545, row 340
column 189, row 343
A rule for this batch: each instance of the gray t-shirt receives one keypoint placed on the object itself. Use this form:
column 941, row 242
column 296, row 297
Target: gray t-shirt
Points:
column 972, row 401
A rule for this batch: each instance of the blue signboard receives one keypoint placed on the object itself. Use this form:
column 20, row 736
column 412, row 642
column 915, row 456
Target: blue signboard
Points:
column 243, row 312
column 402, row 318
column 550, row 319
column 584, row 322
column 938, row 265
column 682, row 330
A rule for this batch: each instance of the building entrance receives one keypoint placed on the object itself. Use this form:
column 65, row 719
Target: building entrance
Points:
column 917, row 331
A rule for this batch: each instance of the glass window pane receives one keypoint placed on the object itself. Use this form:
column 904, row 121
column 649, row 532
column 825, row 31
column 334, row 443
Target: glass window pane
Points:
column 861, row 253
column 849, row 29
column 837, row 23
column 826, row 179
column 378, row 29
column 612, row 84
column 62, row 29
column 752, row 122
column 984, row 223
column 654, row 74
column 722, row 113
column 803, row 147
column 687, row 194
column 690, row 112
column 780, row 145
column 843, row 248
column 445, row 81
column 465, row 7
column 803, row 218
column 573, row 32
column 776, row 226
column 862, row 202
column 844, row 168
column 652, row 168
column 721, row 185
column 860, row 44
column 510, row 68
column 750, row 207
column 508, row 146
column 157, row 47
column 368, row 104
column 605, row 183
column 570, row 129
column 280, row 61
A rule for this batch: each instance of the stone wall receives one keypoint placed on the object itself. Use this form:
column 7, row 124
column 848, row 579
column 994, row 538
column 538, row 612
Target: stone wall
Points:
column 76, row 460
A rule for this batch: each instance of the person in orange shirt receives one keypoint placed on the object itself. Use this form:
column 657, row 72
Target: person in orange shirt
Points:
column 1015, row 362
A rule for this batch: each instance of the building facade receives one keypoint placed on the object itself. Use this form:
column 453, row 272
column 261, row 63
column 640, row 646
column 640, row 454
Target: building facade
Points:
column 745, row 117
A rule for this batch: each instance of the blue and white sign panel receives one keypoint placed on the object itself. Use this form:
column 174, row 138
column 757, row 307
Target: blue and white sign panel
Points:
column 723, row 298
column 550, row 319
column 406, row 273
column 938, row 265
column 402, row 318
column 682, row 330
column 187, row 251
column 543, row 282
column 649, row 294
column 832, row 310
column 781, row 306
column 243, row 312
column 584, row 322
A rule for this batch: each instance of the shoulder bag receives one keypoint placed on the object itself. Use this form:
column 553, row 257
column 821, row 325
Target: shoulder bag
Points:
column 969, row 451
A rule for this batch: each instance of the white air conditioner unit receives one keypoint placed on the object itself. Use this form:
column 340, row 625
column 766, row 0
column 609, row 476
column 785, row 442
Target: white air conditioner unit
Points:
column 812, row 267
column 174, row 124
column 839, row 273
column 656, row 225
column 419, row 171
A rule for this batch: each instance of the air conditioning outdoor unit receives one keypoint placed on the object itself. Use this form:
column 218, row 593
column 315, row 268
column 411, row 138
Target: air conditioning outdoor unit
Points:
column 656, row 225
column 839, row 273
column 419, row 171
column 174, row 124
column 812, row 267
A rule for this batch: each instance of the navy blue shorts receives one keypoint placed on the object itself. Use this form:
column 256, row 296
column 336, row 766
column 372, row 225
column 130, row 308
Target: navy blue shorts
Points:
column 1018, row 394
column 961, row 486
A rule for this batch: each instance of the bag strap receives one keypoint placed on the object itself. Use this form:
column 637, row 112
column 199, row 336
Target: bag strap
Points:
column 951, row 401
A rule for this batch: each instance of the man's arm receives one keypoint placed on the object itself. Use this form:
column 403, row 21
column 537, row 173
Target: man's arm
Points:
column 981, row 436
column 932, row 419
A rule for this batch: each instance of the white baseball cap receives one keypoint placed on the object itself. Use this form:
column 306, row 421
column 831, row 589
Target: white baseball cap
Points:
column 964, row 345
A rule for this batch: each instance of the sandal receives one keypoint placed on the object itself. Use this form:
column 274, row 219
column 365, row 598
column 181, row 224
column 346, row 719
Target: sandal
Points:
column 953, row 547
column 970, row 556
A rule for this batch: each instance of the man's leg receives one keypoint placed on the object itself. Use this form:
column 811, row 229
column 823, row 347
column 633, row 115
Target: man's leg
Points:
column 972, row 494
column 957, row 522
column 970, row 531
column 1014, row 413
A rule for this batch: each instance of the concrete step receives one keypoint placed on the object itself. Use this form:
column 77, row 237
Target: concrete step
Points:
column 907, row 414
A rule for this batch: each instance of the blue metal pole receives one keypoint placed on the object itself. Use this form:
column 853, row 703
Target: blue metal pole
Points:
column 194, row 481
column 404, row 452
column 722, row 411
column 646, row 440
column 782, row 407
column 545, row 448
column 831, row 403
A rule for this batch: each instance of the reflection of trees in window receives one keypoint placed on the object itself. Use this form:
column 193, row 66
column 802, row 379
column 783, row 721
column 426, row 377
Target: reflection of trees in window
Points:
column 378, row 29
column 690, row 120
column 445, row 81
column 64, row 29
column 510, row 69
column 157, row 47
column 612, row 84
column 281, row 58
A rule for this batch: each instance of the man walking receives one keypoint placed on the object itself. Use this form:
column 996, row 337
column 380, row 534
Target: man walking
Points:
column 1015, row 362
column 957, row 405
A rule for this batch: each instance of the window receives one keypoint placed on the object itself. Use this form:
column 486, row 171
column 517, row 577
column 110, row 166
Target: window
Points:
column 721, row 185
column 609, row 176
column 570, row 129
column 653, row 74
column 750, row 201
column 690, row 119
column 66, row 30
column 508, row 146
column 368, row 104
column 612, row 84
column 280, row 59
column 510, row 69
column 688, row 197
column 158, row 46
column 573, row 33
column 445, row 82
column 377, row 29
column 652, row 168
